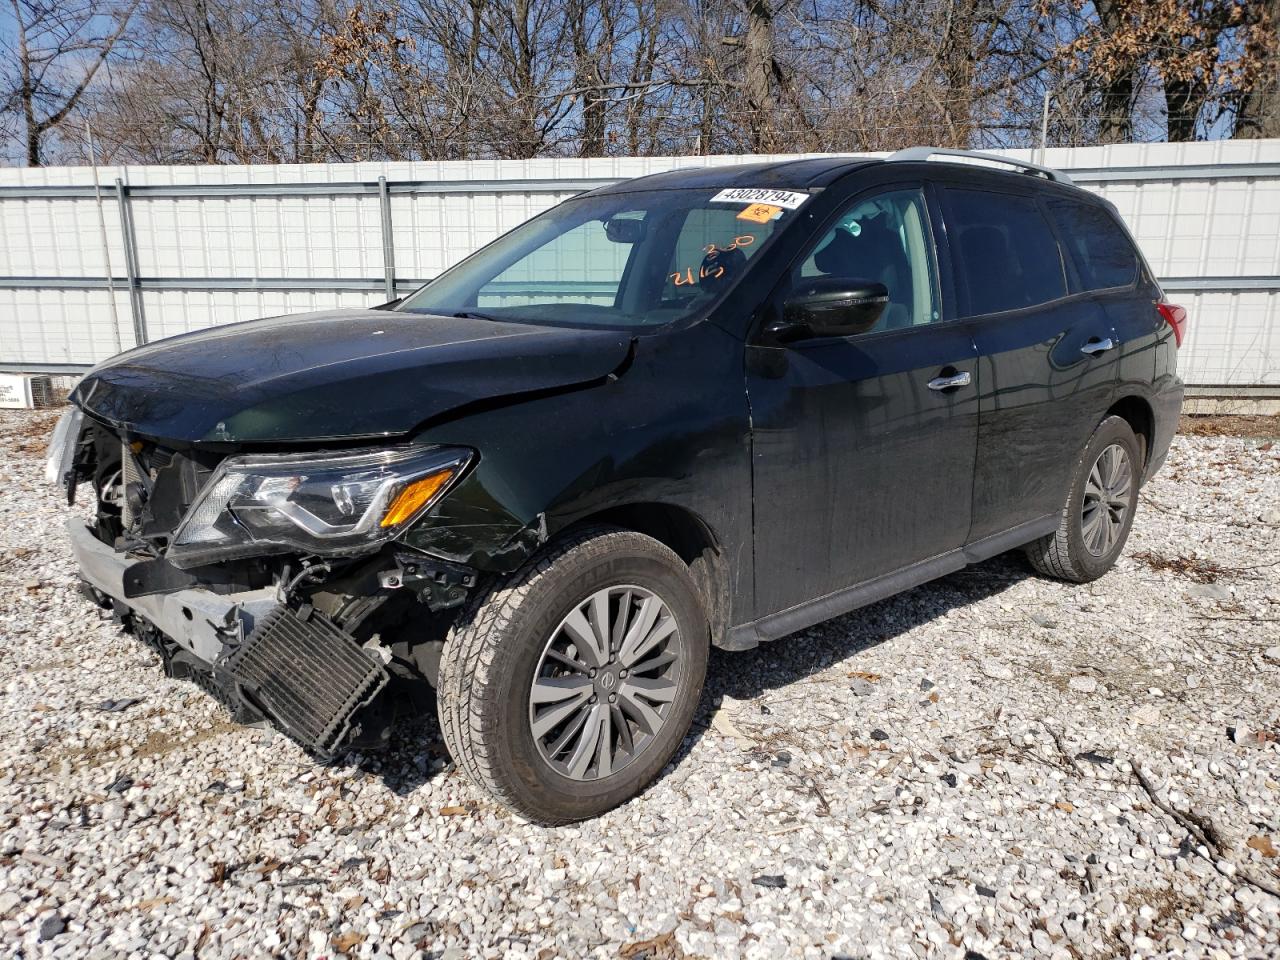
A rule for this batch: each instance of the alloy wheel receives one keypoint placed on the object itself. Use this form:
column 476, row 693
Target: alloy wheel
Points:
column 1108, row 495
column 606, row 681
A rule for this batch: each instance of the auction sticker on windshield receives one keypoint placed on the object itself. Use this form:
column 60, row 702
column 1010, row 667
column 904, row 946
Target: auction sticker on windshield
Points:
column 791, row 199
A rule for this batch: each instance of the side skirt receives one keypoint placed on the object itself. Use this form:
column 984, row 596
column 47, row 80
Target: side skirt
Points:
column 784, row 622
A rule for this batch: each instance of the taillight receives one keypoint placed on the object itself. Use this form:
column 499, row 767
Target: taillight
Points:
column 1176, row 317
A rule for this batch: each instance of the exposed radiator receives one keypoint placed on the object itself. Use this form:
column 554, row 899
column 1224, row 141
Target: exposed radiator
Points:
column 130, row 472
column 308, row 676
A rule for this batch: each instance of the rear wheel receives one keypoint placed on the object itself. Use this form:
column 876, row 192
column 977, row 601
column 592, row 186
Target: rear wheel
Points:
column 1099, row 511
column 567, row 686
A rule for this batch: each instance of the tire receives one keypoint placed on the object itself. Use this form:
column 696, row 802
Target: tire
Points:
column 500, row 644
column 1078, row 551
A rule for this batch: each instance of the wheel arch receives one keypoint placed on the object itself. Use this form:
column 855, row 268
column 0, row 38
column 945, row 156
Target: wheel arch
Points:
column 689, row 537
column 1136, row 411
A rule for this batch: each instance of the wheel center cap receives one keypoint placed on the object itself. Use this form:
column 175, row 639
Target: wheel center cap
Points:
column 607, row 680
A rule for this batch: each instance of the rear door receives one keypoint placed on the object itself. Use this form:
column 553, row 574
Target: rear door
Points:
column 1108, row 269
column 1046, row 364
column 862, row 455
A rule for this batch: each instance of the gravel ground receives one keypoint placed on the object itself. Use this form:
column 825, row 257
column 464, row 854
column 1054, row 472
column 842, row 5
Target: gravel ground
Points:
column 957, row 772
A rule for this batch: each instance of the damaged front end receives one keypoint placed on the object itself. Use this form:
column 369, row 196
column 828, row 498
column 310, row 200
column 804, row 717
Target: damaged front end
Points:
column 278, row 582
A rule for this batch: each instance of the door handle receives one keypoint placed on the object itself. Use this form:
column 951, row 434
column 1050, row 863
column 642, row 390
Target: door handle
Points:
column 1096, row 346
column 961, row 379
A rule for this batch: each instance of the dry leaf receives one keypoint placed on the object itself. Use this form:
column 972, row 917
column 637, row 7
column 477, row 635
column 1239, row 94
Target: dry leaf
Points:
column 1263, row 845
column 662, row 946
column 869, row 677
column 353, row 903
column 1065, row 806
column 154, row 902
column 720, row 720
column 346, row 942
column 453, row 811
column 1147, row 714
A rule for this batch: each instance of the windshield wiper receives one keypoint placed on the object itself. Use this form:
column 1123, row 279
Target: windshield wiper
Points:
column 472, row 315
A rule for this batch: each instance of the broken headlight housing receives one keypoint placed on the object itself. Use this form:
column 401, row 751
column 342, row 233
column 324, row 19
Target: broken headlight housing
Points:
column 322, row 504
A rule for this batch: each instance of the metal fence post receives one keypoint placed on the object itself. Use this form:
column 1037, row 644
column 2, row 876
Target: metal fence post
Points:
column 131, row 264
column 388, row 244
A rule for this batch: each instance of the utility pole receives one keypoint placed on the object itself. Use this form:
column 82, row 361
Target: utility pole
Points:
column 1044, row 126
column 102, row 230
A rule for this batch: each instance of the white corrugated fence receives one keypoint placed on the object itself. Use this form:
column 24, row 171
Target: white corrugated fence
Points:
column 215, row 244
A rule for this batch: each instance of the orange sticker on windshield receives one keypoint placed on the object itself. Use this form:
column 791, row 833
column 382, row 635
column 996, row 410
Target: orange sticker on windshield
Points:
column 760, row 213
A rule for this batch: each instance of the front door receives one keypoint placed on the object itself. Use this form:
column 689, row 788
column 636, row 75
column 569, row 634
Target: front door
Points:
column 863, row 446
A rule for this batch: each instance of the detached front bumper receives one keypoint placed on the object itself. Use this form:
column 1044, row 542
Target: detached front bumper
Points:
column 198, row 621
column 262, row 658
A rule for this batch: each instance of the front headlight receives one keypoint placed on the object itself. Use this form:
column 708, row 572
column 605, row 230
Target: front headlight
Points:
column 324, row 503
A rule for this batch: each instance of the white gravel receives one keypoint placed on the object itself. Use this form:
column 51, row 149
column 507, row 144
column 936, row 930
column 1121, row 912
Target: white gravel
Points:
column 949, row 773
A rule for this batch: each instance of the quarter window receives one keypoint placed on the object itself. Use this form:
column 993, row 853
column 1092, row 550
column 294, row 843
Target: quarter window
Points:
column 1006, row 255
column 1103, row 252
column 884, row 239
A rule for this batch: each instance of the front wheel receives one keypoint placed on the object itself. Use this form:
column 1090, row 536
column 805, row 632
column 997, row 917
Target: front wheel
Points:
column 1099, row 511
column 568, row 685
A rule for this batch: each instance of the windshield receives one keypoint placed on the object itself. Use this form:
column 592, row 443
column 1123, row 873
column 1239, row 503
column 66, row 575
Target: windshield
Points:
column 617, row 260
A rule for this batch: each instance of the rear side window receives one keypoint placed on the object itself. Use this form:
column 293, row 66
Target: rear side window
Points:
column 1006, row 254
column 1103, row 253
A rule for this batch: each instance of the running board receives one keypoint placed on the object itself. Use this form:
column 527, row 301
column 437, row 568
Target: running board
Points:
column 803, row 615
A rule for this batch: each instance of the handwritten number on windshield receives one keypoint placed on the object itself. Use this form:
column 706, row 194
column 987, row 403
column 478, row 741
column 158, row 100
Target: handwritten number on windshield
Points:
column 709, row 268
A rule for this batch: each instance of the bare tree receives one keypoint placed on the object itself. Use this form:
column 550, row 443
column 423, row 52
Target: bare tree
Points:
column 59, row 49
column 245, row 81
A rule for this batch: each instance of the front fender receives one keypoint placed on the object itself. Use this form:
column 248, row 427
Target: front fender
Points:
column 673, row 429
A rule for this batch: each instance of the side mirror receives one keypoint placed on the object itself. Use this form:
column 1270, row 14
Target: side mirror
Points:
column 624, row 230
column 831, row 307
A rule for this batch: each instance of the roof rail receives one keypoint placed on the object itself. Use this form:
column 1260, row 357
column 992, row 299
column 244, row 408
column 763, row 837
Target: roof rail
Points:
column 924, row 153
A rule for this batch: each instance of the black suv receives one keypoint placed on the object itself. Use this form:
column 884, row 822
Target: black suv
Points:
column 711, row 406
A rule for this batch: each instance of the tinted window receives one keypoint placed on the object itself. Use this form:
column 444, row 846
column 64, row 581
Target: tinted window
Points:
column 1103, row 254
column 1006, row 255
column 886, row 239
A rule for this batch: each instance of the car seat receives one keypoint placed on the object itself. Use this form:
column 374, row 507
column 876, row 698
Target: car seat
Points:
column 874, row 253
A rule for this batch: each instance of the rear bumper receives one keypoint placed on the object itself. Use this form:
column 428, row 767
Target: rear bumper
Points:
column 197, row 620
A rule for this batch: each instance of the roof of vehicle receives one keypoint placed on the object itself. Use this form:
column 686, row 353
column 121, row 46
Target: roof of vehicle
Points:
column 817, row 172
column 800, row 174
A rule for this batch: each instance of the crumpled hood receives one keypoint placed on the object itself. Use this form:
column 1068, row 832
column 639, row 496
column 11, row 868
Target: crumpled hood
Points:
column 336, row 374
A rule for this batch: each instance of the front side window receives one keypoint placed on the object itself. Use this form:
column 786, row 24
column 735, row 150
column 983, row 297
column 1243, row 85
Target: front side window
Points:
column 1006, row 255
column 1103, row 253
column 615, row 260
column 884, row 239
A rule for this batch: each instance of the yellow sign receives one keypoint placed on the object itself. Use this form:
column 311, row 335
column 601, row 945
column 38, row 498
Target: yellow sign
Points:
column 760, row 213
